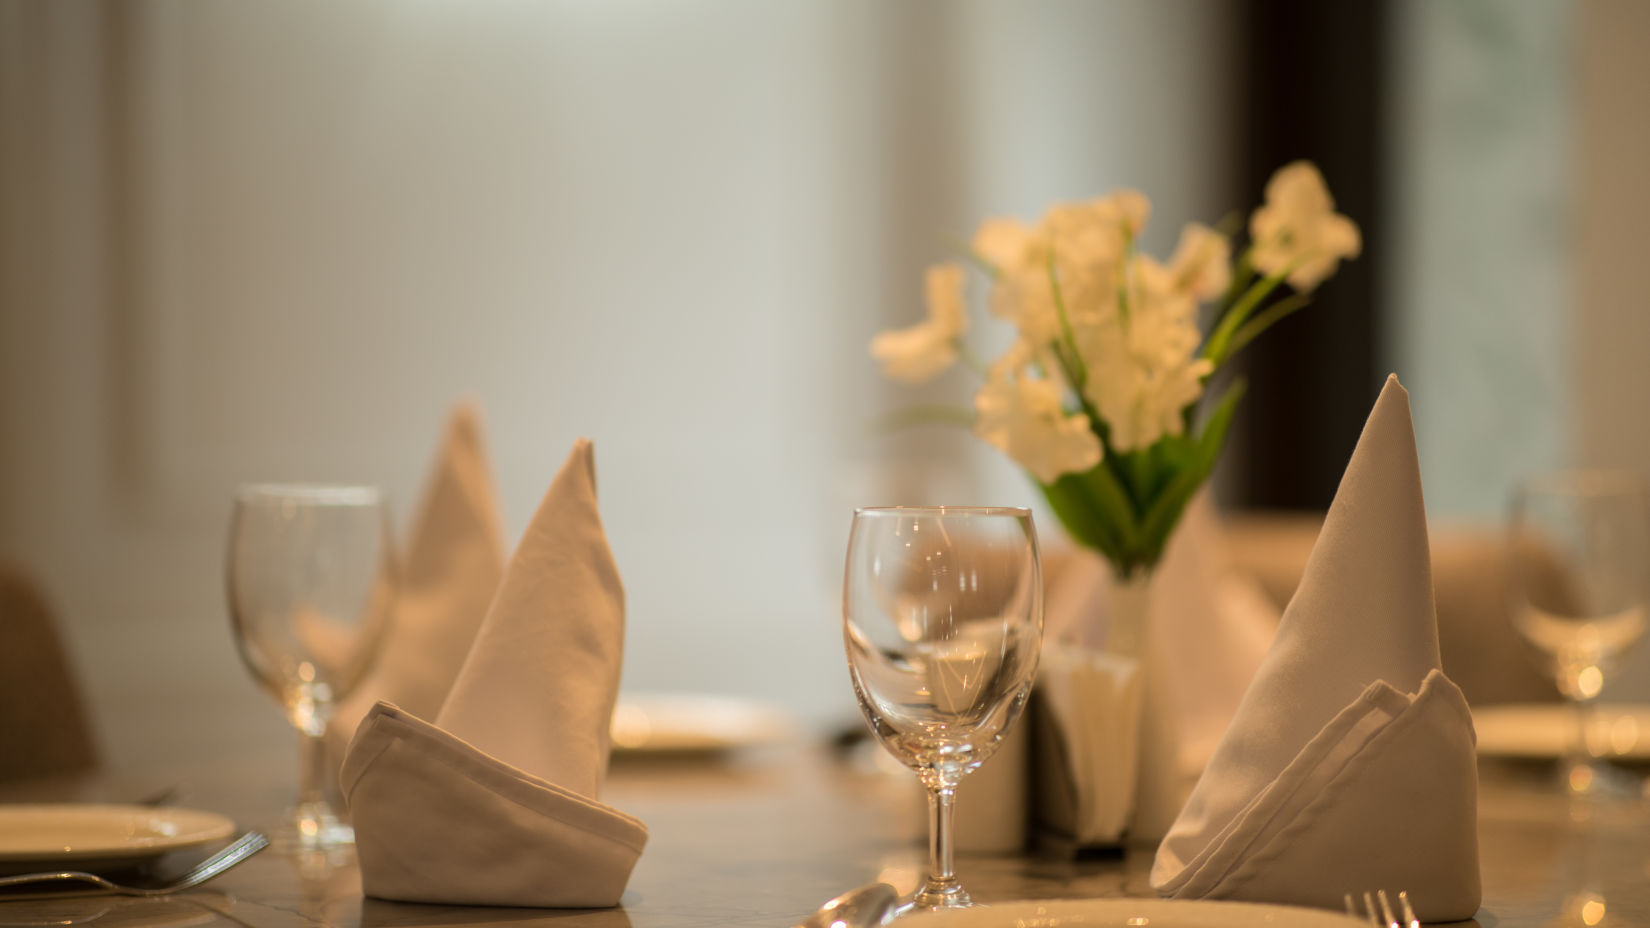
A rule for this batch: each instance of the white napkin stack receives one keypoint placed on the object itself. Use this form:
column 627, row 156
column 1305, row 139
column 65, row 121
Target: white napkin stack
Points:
column 496, row 802
column 1135, row 742
column 1350, row 763
column 451, row 569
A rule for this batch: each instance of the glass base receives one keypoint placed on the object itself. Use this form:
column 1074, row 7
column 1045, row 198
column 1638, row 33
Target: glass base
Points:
column 939, row 896
column 312, row 826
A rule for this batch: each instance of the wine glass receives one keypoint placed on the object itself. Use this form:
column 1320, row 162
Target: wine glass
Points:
column 311, row 577
column 1579, row 551
column 942, row 612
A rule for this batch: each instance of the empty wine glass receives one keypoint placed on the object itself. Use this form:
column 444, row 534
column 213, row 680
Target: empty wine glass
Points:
column 310, row 580
column 942, row 618
column 1579, row 551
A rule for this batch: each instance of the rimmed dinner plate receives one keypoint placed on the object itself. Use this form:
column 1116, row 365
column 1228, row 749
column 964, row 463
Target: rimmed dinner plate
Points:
column 84, row 835
column 1153, row 913
column 1540, row 731
column 693, row 723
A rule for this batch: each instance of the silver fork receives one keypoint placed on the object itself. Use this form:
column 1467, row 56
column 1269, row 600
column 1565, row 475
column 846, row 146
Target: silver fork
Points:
column 1384, row 917
column 242, row 848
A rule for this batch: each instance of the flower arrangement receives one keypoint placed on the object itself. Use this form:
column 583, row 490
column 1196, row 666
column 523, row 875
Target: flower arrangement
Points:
column 1098, row 396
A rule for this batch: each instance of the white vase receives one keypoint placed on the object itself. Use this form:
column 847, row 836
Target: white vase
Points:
column 1128, row 608
column 1107, row 706
column 1159, row 789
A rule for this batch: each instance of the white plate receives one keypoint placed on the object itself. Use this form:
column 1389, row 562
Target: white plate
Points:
column 1546, row 730
column 687, row 723
column 83, row 834
column 1155, row 913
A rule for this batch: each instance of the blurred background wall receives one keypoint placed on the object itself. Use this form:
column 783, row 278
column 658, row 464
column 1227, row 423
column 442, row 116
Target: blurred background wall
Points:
column 276, row 241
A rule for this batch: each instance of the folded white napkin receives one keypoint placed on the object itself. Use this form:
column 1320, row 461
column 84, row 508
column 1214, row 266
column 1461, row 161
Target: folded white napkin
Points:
column 1350, row 763
column 496, row 802
column 1135, row 742
column 450, row 570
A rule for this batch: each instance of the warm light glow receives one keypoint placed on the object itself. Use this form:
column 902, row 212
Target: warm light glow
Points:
column 1138, row 920
column 1589, row 682
column 1592, row 912
column 1581, row 779
column 1624, row 734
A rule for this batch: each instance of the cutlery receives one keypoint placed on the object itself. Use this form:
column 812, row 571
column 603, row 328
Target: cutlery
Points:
column 864, row 907
column 1384, row 917
column 242, row 848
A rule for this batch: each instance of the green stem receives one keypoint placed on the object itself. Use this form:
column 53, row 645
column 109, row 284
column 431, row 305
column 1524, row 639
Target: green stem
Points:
column 1217, row 347
column 1265, row 320
column 1076, row 372
column 969, row 359
column 1242, row 274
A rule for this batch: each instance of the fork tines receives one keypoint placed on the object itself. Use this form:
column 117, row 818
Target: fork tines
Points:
column 1381, row 915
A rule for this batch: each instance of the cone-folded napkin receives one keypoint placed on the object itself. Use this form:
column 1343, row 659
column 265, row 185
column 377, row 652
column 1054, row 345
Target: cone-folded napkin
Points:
column 495, row 801
column 449, row 572
column 1350, row 763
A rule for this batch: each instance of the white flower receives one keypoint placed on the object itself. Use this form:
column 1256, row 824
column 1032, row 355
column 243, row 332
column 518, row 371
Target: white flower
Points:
column 1142, row 365
column 1297, row 230
column 1003, row 243
column 1023, row 418
column 1082, row 244
column 921, row 352
column 1202, row 262
column 1025, row 297
column 1096, row 231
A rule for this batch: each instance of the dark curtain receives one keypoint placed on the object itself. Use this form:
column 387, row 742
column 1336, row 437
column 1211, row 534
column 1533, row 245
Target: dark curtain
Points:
column 1312, row 83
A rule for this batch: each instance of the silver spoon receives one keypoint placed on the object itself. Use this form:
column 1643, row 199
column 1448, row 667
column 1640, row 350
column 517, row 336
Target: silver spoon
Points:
column 864, row 907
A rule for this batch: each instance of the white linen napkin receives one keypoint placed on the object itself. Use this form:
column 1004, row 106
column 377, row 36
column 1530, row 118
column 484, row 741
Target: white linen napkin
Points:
column 1135, row 743
column 495, row 803
column 1350, row 763
column 450, row 570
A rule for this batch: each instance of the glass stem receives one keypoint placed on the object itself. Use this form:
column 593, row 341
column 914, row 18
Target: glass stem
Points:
column 941, row 890
column 312, row 774
column 941, row 805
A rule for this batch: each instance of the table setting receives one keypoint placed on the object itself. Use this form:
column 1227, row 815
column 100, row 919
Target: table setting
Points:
column 1153, row 739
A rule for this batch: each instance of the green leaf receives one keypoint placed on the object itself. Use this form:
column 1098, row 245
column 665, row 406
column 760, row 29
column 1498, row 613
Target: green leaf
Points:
column 1166, row 508
column 1077, row 511
column 1109, row 495
column 1095, row 510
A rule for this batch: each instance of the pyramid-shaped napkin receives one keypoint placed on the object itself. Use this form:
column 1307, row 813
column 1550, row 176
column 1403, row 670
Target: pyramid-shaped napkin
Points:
column 495, row 802
column 450, row 570
column 1350, row 763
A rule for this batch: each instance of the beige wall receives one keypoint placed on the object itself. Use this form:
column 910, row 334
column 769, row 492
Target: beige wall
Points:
column 271, row 241
column 1612, row 299
column 1520, row 145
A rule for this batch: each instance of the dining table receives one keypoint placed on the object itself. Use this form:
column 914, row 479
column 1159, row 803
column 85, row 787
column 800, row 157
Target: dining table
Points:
column 760, row 836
